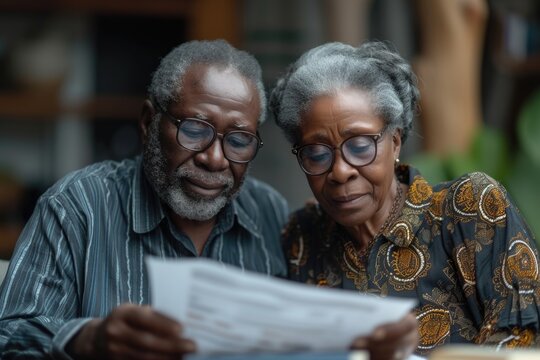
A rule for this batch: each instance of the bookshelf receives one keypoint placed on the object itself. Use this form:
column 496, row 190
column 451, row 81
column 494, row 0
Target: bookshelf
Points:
column 48, row 129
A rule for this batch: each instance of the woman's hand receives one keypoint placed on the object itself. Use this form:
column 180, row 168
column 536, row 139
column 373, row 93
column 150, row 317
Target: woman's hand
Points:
column 131, row 332
column 393, row 341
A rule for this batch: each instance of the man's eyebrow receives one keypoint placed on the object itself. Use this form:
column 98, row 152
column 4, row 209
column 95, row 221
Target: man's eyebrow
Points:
column 200, row 117
column 237, row 124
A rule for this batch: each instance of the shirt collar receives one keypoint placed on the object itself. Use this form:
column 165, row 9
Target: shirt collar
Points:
column 246, row 211
column 418, row 200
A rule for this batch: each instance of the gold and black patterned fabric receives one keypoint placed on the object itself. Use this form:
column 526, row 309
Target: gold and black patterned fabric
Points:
column 461, row 248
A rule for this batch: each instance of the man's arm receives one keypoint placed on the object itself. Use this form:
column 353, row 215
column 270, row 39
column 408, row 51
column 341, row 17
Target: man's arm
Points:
column 39, row 300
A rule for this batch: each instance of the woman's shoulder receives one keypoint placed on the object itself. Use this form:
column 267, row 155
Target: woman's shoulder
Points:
column 306, row 238
column 306, row 222
column 474, row 194
column 478, row 180
column 474, row 185
column 311, row 211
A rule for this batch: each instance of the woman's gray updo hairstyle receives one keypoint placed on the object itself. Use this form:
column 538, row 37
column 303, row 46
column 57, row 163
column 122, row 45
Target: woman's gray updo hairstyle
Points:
column 373, row 67
column 167, row 79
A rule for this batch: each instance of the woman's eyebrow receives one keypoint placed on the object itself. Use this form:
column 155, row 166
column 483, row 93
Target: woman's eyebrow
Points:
column 316, row 138
column 357, row 131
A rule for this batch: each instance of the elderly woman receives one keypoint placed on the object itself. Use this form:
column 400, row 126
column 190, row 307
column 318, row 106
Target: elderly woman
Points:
column 461, row 247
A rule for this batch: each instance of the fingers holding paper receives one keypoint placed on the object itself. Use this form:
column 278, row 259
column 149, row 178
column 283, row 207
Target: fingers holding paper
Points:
column 134, row 332
column 392, row 341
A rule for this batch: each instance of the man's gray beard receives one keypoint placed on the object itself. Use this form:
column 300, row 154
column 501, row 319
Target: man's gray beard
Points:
column 170, row 188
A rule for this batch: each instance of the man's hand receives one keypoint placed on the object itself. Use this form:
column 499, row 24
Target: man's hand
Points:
column 394, row 341
column 131, row 332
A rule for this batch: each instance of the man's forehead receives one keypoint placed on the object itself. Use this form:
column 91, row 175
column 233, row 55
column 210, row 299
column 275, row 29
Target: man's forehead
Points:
column 219, row 82
column 198, row 75
column 210, row 92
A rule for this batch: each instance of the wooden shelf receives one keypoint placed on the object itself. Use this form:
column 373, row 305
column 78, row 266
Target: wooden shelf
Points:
column 47, row 107
column 127, row 7
column 206, row 19
column 528, row 66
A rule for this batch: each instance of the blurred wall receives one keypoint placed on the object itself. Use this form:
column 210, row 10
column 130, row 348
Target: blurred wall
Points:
column 72, row 80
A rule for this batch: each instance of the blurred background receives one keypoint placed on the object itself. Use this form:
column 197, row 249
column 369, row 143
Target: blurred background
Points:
column 73, row 76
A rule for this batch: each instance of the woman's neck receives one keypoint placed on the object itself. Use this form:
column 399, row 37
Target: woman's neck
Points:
column 366, row 232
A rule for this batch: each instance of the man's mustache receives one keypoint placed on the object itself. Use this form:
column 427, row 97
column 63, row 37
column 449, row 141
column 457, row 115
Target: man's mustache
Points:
column 211, row 178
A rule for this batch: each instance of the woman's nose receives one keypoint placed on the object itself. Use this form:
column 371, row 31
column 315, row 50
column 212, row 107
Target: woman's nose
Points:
column 341, row 171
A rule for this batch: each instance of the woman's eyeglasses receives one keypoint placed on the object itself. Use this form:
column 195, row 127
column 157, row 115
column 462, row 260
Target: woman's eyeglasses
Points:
column 318, row 158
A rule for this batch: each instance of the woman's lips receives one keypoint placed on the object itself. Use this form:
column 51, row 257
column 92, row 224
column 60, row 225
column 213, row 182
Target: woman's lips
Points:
column 347, row 200
column 202, row 188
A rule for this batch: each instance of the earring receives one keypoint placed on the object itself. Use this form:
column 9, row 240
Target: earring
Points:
column 397, row 161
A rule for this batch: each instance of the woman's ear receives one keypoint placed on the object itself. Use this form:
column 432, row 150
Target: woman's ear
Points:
column 147, row 114
column 396, row 143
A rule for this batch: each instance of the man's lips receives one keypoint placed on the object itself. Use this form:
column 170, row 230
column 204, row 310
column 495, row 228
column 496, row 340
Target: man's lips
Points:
column 203, row 188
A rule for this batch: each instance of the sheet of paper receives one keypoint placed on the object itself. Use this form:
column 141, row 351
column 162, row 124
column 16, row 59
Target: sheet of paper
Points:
column 225, row 310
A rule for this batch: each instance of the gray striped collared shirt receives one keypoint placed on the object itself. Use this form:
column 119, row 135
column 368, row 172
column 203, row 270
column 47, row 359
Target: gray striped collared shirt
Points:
column 82, row 252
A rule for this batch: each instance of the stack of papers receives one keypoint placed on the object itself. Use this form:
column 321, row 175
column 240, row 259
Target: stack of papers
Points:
column 226, row 310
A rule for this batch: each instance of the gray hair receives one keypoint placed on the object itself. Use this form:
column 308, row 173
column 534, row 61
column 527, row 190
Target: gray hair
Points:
column 373, row 67
column 167, row 79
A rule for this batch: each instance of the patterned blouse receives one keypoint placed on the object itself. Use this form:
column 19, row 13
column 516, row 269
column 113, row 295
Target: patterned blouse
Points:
column 461, row 248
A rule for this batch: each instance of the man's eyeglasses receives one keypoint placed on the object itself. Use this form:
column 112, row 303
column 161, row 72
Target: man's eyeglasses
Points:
column 318, row 158
column 197, row 135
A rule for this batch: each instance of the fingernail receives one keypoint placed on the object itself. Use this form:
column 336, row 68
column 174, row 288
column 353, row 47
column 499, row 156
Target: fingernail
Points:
column 191, row 347
column 379, row 334
column 360, row 344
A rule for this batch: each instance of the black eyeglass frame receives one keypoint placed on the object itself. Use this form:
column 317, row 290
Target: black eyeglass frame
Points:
column 177, row 122
column 296, row 150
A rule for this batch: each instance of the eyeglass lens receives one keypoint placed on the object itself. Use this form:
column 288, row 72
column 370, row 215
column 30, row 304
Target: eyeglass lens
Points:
column 197, row 135
column 317, row 159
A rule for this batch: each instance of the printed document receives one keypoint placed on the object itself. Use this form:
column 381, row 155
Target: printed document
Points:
column 227, row 310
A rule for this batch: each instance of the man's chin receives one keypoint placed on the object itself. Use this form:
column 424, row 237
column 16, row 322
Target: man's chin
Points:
column 195, row 206
column 202, row 197
column 197, row 192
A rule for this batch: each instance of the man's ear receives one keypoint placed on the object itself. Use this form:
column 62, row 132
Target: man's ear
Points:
column 147, row 113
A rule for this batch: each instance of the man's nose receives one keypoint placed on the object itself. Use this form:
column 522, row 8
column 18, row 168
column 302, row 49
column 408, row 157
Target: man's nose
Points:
column 213, row 158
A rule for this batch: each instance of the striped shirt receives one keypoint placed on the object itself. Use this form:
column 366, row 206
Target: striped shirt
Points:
column 82, row 252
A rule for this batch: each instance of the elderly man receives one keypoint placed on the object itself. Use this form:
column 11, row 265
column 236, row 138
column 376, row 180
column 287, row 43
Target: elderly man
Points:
column 77, row 285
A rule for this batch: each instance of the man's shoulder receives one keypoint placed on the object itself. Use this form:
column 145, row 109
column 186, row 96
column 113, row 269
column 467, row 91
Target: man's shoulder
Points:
column 95, row 176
